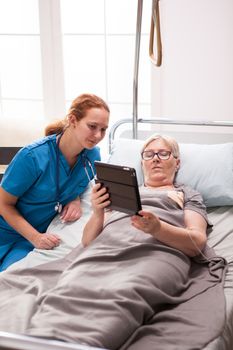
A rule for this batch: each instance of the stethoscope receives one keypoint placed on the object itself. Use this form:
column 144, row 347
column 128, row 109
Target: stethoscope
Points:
column 85, row 161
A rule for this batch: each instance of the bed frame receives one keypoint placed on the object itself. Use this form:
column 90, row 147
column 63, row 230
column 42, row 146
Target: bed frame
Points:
column 201, row 131
column 6, row 155
column 11, row 341
column 206, row 132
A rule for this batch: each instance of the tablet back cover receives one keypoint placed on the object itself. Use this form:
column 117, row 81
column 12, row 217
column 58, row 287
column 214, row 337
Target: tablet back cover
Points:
column 121, row 182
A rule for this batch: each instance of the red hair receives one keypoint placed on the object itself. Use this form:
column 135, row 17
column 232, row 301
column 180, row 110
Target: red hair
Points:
column 78, row 108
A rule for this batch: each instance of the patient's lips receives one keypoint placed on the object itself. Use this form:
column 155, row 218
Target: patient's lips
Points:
column 156, row 167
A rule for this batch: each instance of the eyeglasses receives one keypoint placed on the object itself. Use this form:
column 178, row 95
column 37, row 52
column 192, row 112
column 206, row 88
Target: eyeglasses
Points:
column 162, row 154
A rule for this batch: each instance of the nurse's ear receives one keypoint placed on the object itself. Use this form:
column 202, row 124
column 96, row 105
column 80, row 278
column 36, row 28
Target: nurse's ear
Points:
column 72, row 120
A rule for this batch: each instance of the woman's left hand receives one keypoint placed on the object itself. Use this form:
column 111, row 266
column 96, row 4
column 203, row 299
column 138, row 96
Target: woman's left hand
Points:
column 147, row 222
column 71, row 211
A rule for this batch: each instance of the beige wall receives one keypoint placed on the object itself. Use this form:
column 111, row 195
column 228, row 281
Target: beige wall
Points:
column 195, row 81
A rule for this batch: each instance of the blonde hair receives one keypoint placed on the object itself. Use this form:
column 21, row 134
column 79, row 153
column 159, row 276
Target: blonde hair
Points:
column 78, row 108
column 170, row 141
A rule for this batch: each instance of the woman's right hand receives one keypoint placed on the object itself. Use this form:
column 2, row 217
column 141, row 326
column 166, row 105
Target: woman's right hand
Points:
column 99, row 198
column 46, row 241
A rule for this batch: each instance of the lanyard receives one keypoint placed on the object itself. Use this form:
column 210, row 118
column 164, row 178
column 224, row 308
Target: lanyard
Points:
column 85, row 159
column 58, row 206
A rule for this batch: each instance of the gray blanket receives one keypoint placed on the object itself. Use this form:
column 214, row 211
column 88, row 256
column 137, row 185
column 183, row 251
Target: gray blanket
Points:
column 125, row 291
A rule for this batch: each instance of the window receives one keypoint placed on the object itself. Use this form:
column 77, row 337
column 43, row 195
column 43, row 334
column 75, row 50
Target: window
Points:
column 52, row 51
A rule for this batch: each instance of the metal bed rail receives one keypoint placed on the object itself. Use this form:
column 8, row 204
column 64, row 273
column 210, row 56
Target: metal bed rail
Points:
column 164, row 121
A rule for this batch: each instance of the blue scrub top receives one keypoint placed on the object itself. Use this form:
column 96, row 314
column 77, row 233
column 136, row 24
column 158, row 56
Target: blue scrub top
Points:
column 31, row 176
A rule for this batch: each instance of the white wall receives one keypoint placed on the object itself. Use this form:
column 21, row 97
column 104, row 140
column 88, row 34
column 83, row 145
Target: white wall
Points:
column 195, row 81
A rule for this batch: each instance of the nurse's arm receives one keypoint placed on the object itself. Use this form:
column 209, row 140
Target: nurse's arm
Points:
column 13, row 217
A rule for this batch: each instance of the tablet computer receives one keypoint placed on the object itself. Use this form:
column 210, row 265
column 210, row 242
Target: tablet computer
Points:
column 121, row 183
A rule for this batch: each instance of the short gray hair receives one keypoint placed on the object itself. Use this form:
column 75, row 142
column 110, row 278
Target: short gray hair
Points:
column 170, row 141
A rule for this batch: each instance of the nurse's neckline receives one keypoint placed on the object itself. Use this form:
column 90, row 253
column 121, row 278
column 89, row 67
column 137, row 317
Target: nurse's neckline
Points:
column 71, row 159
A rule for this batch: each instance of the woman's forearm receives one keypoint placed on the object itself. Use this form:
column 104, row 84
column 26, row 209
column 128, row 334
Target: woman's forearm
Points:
column 188, row 240
column 12, row 216
column 92, row 228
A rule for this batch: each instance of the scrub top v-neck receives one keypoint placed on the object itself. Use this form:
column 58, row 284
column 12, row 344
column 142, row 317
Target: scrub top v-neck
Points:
column 31, row 176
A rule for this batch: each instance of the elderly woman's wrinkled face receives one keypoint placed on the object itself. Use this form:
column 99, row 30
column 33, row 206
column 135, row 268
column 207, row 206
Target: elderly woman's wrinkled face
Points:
column 159, row 172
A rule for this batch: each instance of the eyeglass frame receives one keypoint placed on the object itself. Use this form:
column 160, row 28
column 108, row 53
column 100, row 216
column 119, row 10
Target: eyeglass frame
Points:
column 157, row 154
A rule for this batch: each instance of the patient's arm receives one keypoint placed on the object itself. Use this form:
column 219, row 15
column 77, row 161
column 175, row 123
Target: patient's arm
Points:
column 190, row 239
column 94, row 226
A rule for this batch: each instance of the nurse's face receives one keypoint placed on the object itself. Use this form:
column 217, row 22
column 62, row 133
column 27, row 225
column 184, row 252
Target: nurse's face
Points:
column 91, row 129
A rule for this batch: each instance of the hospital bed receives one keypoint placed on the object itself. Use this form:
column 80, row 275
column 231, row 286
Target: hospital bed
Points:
column 6, row 155
column 206, row 164
column 206, row 167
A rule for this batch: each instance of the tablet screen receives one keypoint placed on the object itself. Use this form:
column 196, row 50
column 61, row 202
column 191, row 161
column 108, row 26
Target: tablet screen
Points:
column 121, row 183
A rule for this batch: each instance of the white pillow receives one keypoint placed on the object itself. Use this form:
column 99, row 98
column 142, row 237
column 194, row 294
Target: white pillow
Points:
column 206, row 168
column 128, row 152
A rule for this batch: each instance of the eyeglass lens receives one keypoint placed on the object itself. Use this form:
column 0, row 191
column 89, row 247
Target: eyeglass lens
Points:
column 162, row 155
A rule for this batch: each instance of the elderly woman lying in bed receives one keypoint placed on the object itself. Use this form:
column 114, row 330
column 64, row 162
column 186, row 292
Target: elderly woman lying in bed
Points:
column 132, row 284
column 176, row 215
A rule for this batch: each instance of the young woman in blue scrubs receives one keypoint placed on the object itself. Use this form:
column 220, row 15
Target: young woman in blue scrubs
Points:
column 47, row 177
